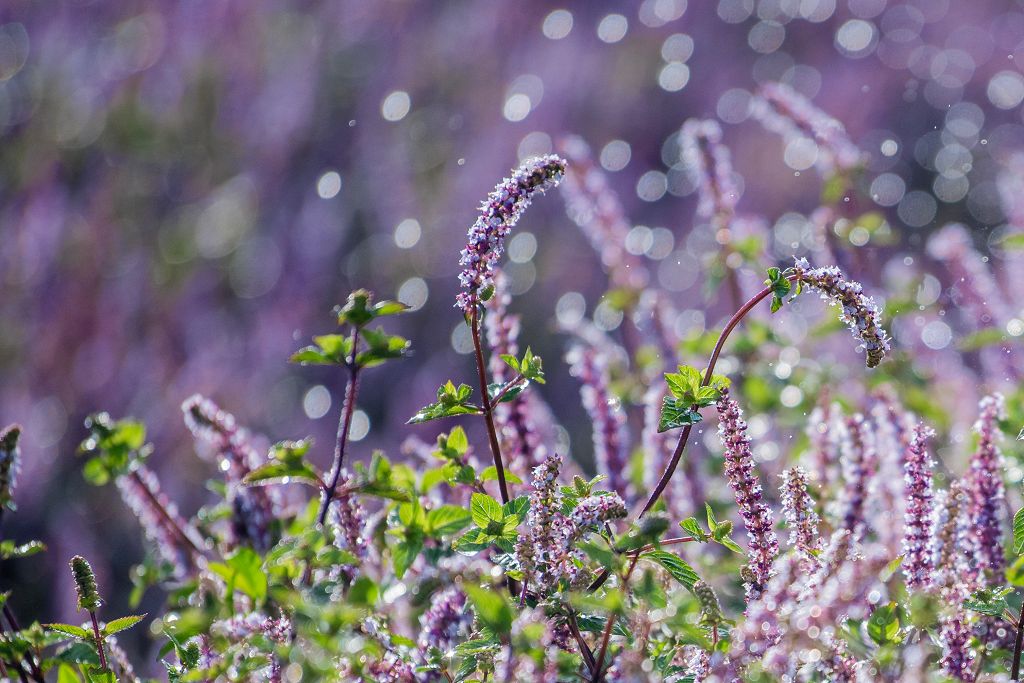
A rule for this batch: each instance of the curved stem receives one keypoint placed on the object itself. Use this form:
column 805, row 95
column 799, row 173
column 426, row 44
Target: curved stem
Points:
column 492, row 433
column 685, row 435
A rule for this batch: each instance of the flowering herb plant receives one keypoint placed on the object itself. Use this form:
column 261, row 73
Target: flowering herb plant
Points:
column 683, row 559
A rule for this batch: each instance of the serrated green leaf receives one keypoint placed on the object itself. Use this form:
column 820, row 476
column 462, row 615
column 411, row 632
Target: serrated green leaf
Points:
column 1018, row 532
column 675, row 566
column 447, row 519
column 517, row 507
column 405, row 552
column 677, row 413
column 70, row 630
column 122, row 624
column 884, row 624
column 243, row 569
column 485, row 510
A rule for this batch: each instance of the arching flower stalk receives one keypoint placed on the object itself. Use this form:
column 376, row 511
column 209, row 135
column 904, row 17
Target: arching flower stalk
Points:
column 858, row 311
column 755, row 513
column 918, row 567
column 498, row 215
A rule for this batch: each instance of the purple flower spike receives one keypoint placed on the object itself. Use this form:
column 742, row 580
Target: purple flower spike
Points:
column 918, row 562
column 957, row 655
column 10, row 457
column 802, row 520
column 498, row 215
column 594, row 510
column 859, row 311
column 859, row 461
column 986, row 490
column 756, row 515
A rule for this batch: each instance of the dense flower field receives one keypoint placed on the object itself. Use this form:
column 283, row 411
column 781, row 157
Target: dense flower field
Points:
column 804, row 460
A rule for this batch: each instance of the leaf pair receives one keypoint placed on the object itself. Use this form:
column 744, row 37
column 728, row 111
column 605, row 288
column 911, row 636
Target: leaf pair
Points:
column 496, row 524
column 688, row 394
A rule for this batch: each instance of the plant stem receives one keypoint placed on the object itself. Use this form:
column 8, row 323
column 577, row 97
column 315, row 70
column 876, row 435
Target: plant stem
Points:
column 574, row 628
column 677, row 454
column 1015, row 671
column 492, row 433
column 344, row 426
column 99, row 640
column 606, row 636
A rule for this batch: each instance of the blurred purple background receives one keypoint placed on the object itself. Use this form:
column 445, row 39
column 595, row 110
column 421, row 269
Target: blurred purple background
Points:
column 187, row 188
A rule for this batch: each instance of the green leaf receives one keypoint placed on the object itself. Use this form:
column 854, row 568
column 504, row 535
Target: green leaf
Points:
column 243, row 570
column 491, row 607
column 1015, row 573
column 382, row 347
column 446, row 520
column 685, row 382
column 1018, row 532
column 884, row 624
column 989, row 601
column 517, row 507
column 507, row 394
column 357, row 310
column 122, row 624
column 66, row 674
column 485, row 510
column 491, row 474
column 674, row 565
column 677, row 413
column 330, row 349
column 691, row 526
column 287, row 464
column 406, row 551
column 451, row 400
column 473, row 541
column 70, row 630
column 388, row 307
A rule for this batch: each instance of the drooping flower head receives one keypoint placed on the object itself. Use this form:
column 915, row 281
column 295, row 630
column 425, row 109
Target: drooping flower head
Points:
column 801, row 518
column 10, row 456
column 498, row 215
column 858, row 310
column 986, row 489
column 783, row 110
column 755, row 513
column 918, row 560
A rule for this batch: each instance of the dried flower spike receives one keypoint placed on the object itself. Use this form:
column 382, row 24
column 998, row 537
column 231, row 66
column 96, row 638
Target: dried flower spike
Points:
column 85, row 584
column 859, row 311
column 498, row 215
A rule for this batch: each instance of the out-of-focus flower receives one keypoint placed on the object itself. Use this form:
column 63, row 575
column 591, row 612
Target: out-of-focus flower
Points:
column 498, row 215
column 755, row 513
column 985, row 484
column 802, row 520
column 611, row 439
column 704, row 153
column 783, row 110
column 957, row 654
column 254, row 509
column 445, row 621
column 858, row 310
column 917, row 535
column 859, row 461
